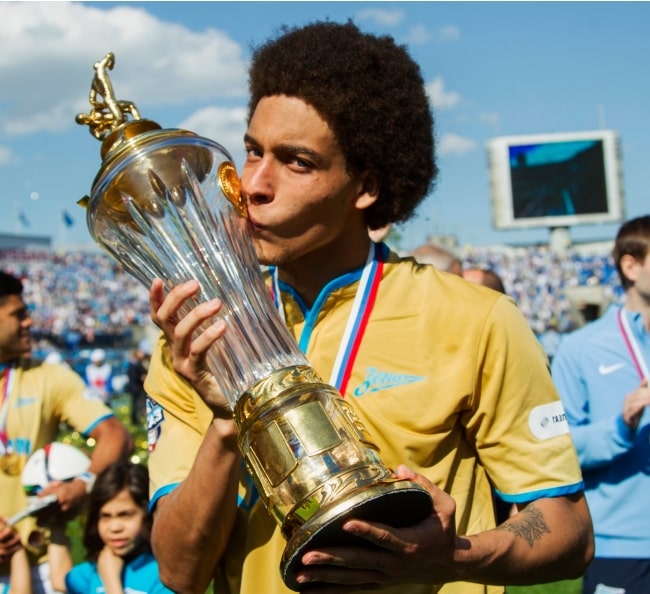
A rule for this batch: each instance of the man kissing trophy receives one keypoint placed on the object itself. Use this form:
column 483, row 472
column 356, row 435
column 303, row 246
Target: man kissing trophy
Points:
column 166, row 204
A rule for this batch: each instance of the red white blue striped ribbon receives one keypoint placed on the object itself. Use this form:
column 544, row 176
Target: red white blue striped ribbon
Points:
column 362, row 306
column 632, row 345
column 4, row 409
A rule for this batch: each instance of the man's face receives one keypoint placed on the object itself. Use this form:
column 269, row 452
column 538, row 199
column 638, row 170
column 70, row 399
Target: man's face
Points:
column 642, row 278
column 15, row 323
column 473, row 275
column 301, row 198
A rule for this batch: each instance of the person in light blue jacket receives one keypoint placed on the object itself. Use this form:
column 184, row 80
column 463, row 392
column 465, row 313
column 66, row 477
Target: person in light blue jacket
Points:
column 118, row 527
column 601, row 373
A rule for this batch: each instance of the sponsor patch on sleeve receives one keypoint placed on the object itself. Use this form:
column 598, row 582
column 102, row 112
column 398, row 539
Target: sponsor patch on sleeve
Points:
column 548, row 420
column 155, row 418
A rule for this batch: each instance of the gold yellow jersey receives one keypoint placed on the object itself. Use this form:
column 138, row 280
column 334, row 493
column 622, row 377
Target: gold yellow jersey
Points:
column 449, row 379
column 40, row 397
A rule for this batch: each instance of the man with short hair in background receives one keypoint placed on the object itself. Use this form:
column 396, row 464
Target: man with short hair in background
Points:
column 99, row 375
column 441, row 258
column 601, row 373
column 35, row 398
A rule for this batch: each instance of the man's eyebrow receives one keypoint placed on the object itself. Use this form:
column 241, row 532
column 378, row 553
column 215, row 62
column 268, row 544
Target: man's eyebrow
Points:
column 19, row 310
column 291, row 149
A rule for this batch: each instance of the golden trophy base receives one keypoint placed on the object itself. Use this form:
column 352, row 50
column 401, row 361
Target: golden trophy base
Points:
column 316, row 466
column 399, row 503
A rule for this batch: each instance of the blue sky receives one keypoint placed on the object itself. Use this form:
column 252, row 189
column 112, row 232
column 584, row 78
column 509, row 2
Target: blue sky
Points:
column 491, row 68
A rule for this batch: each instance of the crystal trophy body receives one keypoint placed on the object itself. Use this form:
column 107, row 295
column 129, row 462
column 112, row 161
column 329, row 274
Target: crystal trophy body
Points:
column 166, row 204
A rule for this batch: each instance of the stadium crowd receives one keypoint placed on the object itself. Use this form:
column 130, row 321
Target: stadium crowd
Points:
column 79, row 297
column 540, row 280
column 86, row 298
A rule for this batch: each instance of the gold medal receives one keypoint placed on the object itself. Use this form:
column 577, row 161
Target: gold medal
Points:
column 11, row 464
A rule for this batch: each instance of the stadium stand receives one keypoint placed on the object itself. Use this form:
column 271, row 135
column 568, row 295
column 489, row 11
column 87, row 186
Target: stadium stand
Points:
column 86, row 299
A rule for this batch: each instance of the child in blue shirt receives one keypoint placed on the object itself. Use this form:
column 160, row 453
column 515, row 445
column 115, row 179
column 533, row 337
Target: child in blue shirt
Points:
column 117, row 536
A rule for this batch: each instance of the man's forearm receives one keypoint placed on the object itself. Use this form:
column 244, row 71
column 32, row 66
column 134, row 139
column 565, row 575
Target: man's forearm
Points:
column 549, row 540
column 112, row 443
column 192, row 524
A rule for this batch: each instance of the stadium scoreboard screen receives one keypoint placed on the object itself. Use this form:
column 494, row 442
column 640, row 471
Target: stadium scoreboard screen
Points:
column 556, row 180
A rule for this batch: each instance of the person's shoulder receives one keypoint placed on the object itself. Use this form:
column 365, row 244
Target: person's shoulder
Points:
column 78, row 579
column 143, row 560
column 58, row 372
column 593, row 330
column 582, row 342
column 443, row 296
column 406, row 270
column 143, row 572
column 83, row 567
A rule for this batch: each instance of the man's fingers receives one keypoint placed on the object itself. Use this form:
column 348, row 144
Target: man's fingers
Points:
column 196, row 317
column 442, row 502
column 165, row 309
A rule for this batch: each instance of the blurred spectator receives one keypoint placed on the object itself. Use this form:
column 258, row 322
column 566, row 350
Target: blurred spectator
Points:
column 602, row 373
column 442, row 259
column 117, row 536
column 550, row 339
column 486, row 277
column 59, row 564
column 540, row 280
column 102, row 301
column 137, row 372
column 54, row 358
column 99, row 375
column 38, row 399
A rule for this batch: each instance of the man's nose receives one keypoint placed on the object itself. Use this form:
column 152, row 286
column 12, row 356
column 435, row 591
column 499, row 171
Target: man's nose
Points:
column 258, row 181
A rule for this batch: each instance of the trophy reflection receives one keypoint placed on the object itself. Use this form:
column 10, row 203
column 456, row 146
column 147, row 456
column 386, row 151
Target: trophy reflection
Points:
column 166, row 203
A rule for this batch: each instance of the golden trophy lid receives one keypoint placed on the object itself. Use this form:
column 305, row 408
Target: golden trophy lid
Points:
column 118, row 125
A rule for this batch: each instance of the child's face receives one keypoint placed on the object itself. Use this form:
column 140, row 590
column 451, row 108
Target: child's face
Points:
column 120, row 523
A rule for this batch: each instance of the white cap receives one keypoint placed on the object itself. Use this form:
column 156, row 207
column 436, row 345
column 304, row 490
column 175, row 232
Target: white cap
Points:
column 54, row 357
column 97, row 356
column 145, row 346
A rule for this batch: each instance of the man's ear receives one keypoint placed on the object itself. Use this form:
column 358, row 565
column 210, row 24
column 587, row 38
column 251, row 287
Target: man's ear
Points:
column 368, row 191
column 630, row 267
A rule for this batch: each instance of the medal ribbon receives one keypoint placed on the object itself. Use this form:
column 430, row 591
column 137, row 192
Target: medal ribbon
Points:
column 4, row 408
column 632, row 345
column 275, row 293
column 355, row 328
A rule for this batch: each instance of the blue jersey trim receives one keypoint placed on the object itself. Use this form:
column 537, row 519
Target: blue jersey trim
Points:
column 311, row 315
column 542, row 493
column 97, row 422
column 166, row 490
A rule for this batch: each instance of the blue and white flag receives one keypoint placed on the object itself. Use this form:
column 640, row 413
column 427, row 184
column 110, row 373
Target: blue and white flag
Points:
column 67, row 219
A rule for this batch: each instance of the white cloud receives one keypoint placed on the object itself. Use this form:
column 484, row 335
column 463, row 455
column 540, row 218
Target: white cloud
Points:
column 418, row 35
column 441, row 98
column 224, row 126
column 447, row 34
column 386, row 18
column 48, row 49
column 6, row 156
column 492, row 119
column 453, row 144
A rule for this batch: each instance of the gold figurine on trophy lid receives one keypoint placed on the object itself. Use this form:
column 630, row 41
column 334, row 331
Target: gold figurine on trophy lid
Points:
column 118, row 124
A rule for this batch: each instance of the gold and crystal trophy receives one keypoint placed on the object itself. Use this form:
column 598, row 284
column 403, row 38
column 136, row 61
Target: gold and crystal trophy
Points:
column 166, row 203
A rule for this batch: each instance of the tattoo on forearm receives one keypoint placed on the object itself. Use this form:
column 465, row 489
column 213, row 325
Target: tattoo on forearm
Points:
column 530, row 525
